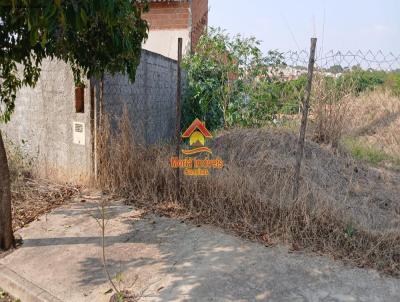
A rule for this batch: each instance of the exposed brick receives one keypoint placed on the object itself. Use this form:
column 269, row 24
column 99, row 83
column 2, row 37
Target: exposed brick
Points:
column 161, row 14
column 179, row 15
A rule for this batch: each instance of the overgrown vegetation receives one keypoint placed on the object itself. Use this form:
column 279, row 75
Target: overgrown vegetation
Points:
column 368, row 80
column 372, row 127
column 32, row 197
column 231, row 82
column 250, row 196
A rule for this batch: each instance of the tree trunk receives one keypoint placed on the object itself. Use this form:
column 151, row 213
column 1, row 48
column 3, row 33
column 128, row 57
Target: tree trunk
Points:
column 6, row 232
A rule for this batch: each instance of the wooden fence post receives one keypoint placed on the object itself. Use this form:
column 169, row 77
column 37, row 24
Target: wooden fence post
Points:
column 178, row 117
column 306, row 106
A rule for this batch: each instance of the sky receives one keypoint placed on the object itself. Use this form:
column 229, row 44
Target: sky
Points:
column 289, row 24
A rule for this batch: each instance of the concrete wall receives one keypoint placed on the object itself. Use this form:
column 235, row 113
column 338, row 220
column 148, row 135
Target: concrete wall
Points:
column 43, row 119
column 44, row 116
column 151, row 100
column 165, row 42
column 168, row 21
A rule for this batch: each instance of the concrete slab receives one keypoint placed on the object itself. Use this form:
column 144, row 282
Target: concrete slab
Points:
column 170, row 261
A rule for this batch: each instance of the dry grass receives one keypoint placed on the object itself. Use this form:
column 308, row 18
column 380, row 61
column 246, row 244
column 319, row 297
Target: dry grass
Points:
column 250, row 196
column 366, row 124
column 330, row 110
column 32, row 197
column 375, row 121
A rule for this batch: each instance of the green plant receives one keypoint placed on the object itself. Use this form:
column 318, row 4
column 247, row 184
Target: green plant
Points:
column 363, row 80
column 392, row 82
column 350, row 230
column 229, row 81
column 368, row 153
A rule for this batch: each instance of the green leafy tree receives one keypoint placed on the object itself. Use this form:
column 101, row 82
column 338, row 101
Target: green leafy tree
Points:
column 363, row 80
column 93, row 37
column 336, row 69
column 228, row 80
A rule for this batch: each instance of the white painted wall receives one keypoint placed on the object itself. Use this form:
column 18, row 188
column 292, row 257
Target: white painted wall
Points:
column 165, row 42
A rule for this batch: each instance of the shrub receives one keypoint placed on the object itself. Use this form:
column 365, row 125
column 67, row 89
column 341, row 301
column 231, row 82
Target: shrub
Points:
column 229, row 81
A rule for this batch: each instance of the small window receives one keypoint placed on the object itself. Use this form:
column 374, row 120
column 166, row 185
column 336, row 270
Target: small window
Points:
column 80, row 99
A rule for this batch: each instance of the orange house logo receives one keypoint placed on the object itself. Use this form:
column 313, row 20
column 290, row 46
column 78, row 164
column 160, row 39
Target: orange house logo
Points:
column 197, row 134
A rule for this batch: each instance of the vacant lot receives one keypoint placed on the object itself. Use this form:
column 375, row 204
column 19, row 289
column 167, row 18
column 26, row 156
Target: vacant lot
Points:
column 347, row 208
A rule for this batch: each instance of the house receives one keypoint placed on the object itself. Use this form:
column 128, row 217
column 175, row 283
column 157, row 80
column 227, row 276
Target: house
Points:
column 172, row 19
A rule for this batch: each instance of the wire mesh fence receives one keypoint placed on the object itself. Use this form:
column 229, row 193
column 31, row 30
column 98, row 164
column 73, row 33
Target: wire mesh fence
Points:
column 355, row 100
column 339, row 61
column 365, row 70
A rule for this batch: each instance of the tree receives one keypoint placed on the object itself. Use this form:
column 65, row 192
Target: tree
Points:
column 93, row 37
column 228, row 80
column 336, row 69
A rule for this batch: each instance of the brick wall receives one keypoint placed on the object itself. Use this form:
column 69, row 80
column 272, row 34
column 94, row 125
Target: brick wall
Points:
column 175, row 16
column 168, row 15
column 199, row 20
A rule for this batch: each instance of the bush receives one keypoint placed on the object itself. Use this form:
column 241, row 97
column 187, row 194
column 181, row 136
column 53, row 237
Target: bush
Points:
column 230, row 82
column 367, row 80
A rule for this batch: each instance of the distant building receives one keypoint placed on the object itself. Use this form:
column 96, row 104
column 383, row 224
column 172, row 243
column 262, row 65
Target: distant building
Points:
column 173, row 19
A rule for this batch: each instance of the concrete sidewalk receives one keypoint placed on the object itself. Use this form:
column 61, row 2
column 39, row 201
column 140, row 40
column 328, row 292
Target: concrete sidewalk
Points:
column 167, row 260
